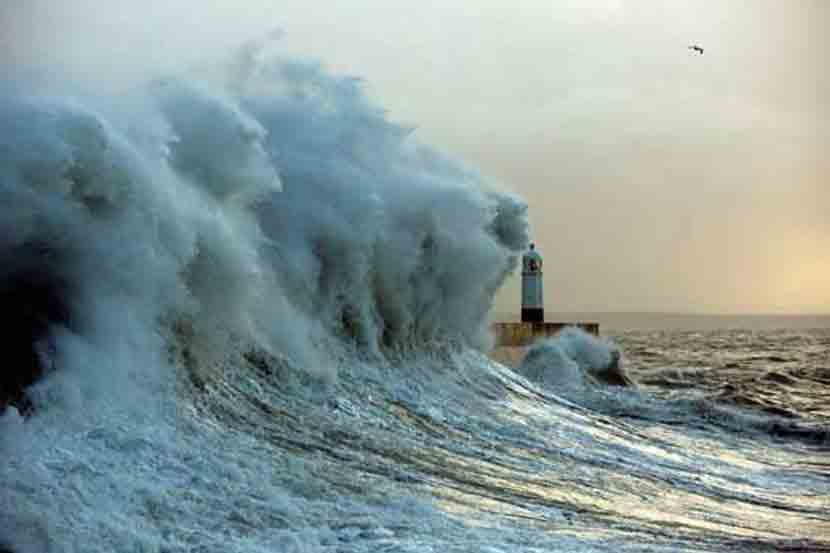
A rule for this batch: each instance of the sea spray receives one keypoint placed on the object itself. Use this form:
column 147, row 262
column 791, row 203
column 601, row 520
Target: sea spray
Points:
column 388, row 242
column 205, row 249
column 574, row 360
column 280, row 209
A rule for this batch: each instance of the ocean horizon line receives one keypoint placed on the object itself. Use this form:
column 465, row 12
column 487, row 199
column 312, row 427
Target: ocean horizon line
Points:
column 676, row 314
column 654, row 320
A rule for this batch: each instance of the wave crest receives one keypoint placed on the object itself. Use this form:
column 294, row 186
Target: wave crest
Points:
column 279, row 211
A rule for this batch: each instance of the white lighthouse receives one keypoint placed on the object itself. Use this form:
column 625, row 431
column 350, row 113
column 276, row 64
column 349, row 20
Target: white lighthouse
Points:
column 533, row 306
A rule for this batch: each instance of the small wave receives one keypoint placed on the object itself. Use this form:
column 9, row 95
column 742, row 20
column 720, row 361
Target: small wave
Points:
column 691, row 408
column 748, row 417
column 574, row 359
column 779, row 378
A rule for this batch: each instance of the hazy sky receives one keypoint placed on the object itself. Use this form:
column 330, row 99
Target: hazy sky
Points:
column 658, row 179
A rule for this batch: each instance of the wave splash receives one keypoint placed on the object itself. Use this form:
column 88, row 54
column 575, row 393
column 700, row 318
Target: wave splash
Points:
column 178, row 264
column 260, row 202
column 574, row 360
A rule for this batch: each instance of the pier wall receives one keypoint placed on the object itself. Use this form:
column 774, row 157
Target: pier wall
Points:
column 524, row 334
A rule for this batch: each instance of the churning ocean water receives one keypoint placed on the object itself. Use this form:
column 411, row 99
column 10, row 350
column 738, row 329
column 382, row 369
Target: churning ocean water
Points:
column 245, row 312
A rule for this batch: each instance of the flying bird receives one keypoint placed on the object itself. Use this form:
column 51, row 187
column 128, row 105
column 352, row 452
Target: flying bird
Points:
column 696, row 48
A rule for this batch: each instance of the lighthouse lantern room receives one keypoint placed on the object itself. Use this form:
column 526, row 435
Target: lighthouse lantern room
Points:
column 533, row 306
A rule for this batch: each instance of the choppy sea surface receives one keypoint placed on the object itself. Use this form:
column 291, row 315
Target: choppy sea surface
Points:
column 245, row 312
column 781, row 372
column 723, row 445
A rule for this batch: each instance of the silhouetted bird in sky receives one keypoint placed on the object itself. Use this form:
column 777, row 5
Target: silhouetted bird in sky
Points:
column 696, row 48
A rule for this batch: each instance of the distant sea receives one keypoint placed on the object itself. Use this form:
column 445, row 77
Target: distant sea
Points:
column 611, row 322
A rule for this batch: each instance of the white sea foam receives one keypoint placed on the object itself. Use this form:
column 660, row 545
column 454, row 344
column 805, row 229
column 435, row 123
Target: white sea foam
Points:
column 280, row 208
column 573, row 360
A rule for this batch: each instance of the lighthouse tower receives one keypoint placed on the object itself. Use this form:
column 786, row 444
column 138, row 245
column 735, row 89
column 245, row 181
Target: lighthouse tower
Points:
column 533, row 306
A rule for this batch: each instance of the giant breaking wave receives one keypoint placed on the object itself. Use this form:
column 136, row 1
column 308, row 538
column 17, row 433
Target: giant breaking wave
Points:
column 266, row 204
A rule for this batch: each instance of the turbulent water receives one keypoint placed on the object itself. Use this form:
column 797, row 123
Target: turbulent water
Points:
column 246, row 312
